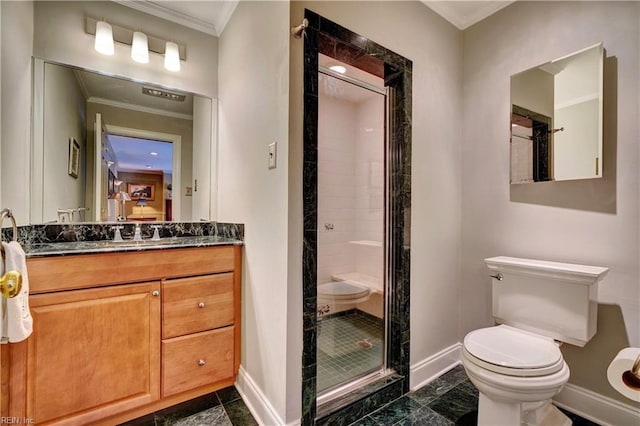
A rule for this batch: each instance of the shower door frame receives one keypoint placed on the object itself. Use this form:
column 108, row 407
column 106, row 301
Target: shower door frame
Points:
column 397, row 73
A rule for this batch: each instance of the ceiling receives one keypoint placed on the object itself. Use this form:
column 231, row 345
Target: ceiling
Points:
column 134, row 153
column 211, row 16
column 463, row 14
column 207, row 16
column 120, row 92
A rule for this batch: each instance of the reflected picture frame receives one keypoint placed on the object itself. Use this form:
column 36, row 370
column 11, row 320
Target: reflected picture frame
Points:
column 142, row 190
column 74, row 157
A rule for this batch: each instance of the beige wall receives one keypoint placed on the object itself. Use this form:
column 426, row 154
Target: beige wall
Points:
column 60, row 37
column 17, row 45
column 590, row 222
column 254, row 112
column 64, row 113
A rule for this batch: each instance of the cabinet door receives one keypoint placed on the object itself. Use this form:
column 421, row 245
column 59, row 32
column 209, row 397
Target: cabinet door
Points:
column 93, row 353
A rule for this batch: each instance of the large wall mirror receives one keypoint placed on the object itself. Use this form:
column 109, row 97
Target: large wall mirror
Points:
column 112, row 149
column 556, row 119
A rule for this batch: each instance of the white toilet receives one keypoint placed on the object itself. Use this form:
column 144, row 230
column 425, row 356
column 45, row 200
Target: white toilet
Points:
column 517, row 365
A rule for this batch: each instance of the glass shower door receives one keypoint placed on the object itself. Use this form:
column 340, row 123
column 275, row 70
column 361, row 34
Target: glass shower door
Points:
column 351, row 227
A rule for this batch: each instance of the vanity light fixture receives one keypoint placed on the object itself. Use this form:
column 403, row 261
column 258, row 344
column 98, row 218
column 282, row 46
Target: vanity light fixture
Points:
column 141, row 43
column 151, row 91
column 140, row 48
column 104, row 38
column 171, row 57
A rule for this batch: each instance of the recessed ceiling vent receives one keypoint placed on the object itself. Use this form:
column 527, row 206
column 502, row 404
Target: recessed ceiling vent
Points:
column 163, row 94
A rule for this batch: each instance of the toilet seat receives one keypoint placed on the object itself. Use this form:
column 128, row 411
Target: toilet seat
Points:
column 344, row 291
column 512, row 352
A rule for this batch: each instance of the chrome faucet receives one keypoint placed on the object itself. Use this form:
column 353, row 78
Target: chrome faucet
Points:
column 137, row 236
column 117, row 236
column 156, row 234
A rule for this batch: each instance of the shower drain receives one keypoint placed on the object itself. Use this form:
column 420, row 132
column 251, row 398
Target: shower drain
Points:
column 366, row 344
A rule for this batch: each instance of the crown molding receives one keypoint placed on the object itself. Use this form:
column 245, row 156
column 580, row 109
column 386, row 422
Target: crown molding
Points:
column 165, row 11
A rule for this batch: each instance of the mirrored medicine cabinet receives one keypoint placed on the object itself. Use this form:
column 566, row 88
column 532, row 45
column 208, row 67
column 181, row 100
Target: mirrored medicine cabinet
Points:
column 556, row 119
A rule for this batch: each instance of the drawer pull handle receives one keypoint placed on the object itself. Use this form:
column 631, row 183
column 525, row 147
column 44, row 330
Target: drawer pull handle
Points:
column 155, row 293
column 201, row 363
column 201, row 305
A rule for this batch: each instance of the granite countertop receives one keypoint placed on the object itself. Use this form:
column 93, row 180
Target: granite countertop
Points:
column 59, row 239
column 107, row 246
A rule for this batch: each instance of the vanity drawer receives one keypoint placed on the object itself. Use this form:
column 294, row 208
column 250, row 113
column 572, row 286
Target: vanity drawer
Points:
column 196, row 360
column 56, row 273
column 197, row 304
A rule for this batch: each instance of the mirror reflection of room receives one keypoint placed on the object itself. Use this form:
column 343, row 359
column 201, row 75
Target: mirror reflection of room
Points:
column 141, row 170
column 100, row 133
column 556, row 119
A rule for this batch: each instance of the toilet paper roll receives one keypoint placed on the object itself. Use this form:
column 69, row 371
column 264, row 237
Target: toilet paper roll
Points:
column 619, row 374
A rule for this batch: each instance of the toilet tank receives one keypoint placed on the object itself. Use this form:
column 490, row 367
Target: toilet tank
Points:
column 558, row 300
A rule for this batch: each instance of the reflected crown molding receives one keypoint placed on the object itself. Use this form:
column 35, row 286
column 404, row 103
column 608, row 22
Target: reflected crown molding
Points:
column 139, row 108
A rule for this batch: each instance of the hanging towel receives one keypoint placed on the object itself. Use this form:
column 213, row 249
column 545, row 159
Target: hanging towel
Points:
column 18, row 317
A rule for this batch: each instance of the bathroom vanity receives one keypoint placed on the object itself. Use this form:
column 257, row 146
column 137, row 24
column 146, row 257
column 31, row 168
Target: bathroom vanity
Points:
column 121, row 334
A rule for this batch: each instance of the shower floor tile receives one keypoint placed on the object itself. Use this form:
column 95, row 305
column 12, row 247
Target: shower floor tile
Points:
column 348, row 346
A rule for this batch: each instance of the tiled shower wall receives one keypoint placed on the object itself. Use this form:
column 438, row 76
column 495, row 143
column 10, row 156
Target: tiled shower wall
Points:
column 370, row 181
column 350, row 186
column 336, row 185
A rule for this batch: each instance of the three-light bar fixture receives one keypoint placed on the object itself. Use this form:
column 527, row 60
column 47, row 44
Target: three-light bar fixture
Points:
column 141, row 44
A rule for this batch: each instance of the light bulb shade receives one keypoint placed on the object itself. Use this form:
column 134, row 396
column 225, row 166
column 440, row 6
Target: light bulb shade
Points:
column 122, row 196
column 172, row 57
column 104, row 38
column 140, row 48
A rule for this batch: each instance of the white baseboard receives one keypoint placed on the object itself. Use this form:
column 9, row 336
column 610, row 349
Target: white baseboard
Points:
column 583, row 402
column 257, row 402
column 429, row 369
column 597, row 408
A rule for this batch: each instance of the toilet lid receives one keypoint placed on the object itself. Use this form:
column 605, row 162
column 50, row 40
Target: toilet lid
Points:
column 343, row 290
column 511, row 349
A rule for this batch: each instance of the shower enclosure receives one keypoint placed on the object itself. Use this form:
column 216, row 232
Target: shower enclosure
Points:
column 356, row 192
column 351, row 225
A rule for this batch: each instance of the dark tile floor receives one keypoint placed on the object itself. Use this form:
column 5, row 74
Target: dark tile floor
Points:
column 222, row 408
column 451, row 399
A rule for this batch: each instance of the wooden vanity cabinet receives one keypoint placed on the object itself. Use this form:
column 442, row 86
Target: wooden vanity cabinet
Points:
column 198, row 319
column 105, row 350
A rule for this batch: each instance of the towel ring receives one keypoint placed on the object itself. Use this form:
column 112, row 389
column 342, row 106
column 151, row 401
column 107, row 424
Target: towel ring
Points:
column 7, row 213
column 11, row 281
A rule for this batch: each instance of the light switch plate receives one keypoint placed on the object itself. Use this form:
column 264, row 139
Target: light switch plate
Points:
column 273, row 153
